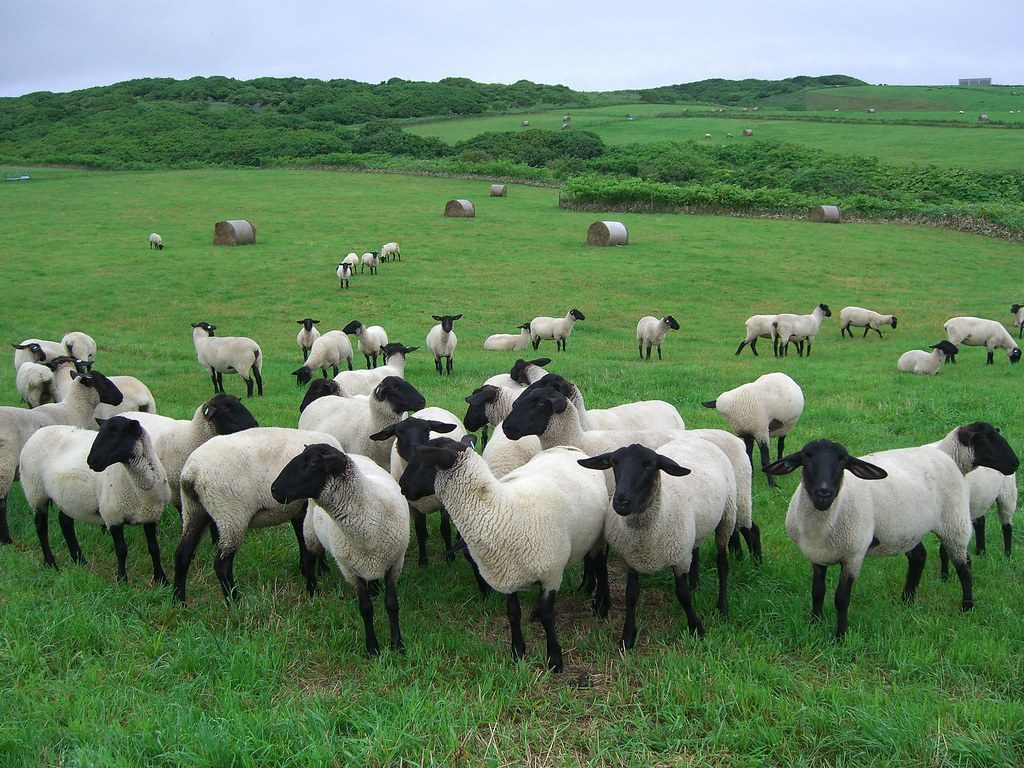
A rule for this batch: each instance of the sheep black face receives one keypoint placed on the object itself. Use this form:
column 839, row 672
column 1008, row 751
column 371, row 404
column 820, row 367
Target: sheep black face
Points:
column 532, row 412
column 948, row 348
column 394, row 348
column 1014, row 309
column 115, row 443
column 1015, row 355
column 440, row 453
column 823, row 463
column 352, row 328
column 105, row 388
column 893, row 323
column 672, row 323
column 989, row 448
column 518, row 372
column 447, row 321
column 206, row 327
column 308, row 323
column 826, row 311
column 305, row 476
column 476, row 414
column 523, row 327
column 319, row 388
column 34, row 348
column 577, row 314
column 635, row 468
column 552, row 381
column 400, row 395
column 411, row 432
column 302, row 376
column 228, row 415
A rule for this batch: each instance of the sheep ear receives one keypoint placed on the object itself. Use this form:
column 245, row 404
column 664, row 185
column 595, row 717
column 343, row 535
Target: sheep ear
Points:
column 601, row 461
column 669, row 467
column 865, row 470
column 469, row 440
column 440, row 457
column 316, row 322
column 297, row 371
column 785, row 465
column 558, row 402
column 384, row 434
column 74, row 375
column 335, row 463
column 20, row 346
column 100, row 422
column 540, row 362
column 457, row 317
column 209, row 411
column 407, row 350
column 436, row 317
column 710, row 404
column 440, row 426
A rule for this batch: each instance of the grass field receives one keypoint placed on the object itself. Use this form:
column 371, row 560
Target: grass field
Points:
column 95, row 673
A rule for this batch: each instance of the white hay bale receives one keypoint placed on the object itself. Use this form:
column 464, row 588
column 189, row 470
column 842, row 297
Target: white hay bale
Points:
column 498, row 190
column 234, row 232
column 459, row 209
column 607, row 233
column 826, row 214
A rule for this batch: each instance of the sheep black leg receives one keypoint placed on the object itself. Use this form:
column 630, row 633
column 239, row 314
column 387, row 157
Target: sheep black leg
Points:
column 722, row 562
column 368, row 366
column 481, row 582
column 248, row 387
column 693, row 577
column 628, row 639
column 686, row 600
column 213, row 378
column 335, row 371
column 766, row 459
column 817, row 590
column 748, row 443
column 305, row 354
column 648, row 351
column 843, row 603
column 5, row 531
column 391, row 606
column 734, row 545
column 602, row 595
column 220, row 382
column 259, row 380
column 446, row 534
column 943, row 562
column 915, row 566
column 640, row 349
column 979, row 535
column 308, row 567
column 120, row 550
column 781, row 443
column 224, row 567
column 966, row 576
column 866, row 329
column 515, row 615
column 535, row 342
column 876, row 330
column 420, row 523
column 544, row 610
column 437, row 364
column 1007, row 538
column 42, row 531
column 154, row 553
column 588, row 581
column 67, row 527
column 190, row 536
column 366, row 611
column 989, row 360
column 752, row 536
column 659, row 351
column 449, row 365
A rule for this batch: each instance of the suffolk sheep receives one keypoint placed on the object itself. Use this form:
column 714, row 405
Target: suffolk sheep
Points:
column 352, row 260
column 652, row 331
column 759, row 327
column 307, row 335
column 556, row 328
column 155, row 241
column 328, row 351
column 135, row 396
column 371, row 340
column 978, row 332
column 644, row 414
column 892, row 500
column 522, row 374
column 524, row 528
column 390, row 252
column 36, row 351
column 488, row 406
column 359, row 516
column 369, row 260
column 987, row 487
column 509, row 341
column 321, row 388
column 35, row 384
column 364, row 382
column 441, row 341
column 344, row 273
column 927, row 363
column 228, row 354
column 110, row 479
column 858, row 317
column 1017, row 310
column 81, row 347
column 797, row 328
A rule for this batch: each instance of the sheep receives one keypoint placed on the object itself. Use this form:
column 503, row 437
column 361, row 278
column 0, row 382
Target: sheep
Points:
column 36, row 351
column 912, row 492
column 81, row 347
column 358, row 514
column 364, row 382
column 489, row 405
column 226, row 481
column 978, row 332
column 707, row 135
column 652, row 330
column 655, row 522
column 390, row 252
column 987, row 487
column 797, row 328
column 135, row 396
column 858, row 317
column 352, row 260
column 126, row 484
column 17, row 425
column 924, row 363
column 371, row 340
column 155, row 241
column 645, row 414
column 307, row 335
column 767, row 407
column 344, row 274
column 522, row 374
column 176, row 439
column 557, row 328
column 35, row 384
column 369, row 260
column 352, row 420
column 526, row 527
column 441, row 341
column 1017, row 310
column 328, row 350
column 759, row 327
column 321, row 388
column 228, row 354
column 508, row 341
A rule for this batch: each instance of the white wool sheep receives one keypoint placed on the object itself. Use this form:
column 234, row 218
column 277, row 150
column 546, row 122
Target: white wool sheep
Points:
column 329, row 350
column 135, row 396
column 979, row 332
column 344, row 273
column 858, row 317
column 525, row 528
column 799, row 328
column 644, row 414
column 1017, row 310
column 35, row 384
column 110, row 478
column 554, row 328
column 226, row 481
column 508, row 341
column 390, row 252
column 927, row 363
column 36, row 351
column 441, row 341
column 307, row 335
column 522, row 374
column 767, row 407
column 81, row 347
column 155, row 241
column 987, row 487
column 759, row 327
column 369, row 260
column 652, row 331
column 371, row 340
column 352, row 260
column 228, row 354
column 488, row 406
column 359, row 516
column 364, row 382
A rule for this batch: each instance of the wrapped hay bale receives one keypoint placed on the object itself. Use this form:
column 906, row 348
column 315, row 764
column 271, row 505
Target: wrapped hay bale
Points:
column 234, row 232
column 498, row 190
column 748, row 131
column 827, row 214
column 459, row 209
column 607, row 233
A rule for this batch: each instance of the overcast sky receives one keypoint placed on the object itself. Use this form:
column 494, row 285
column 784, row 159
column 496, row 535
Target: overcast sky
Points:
column 64, row 45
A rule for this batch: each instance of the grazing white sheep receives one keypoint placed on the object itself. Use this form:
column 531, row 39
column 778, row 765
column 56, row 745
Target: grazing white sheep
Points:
column 759, row 327
column 652, row 331
column 390, row 252
column 645, row 414
column 307, row 335
column 364, row 382
column 987, row 487
column 1017, row 310
column 36, row 351
column 799, row 328
column 81, row 347
column 35, row 384
column 927, row 363
column 979, row 332
column 369, row 260
column 371, row 340
column 344, row 273
column 228, row 354
column 508, row 341
column 858, row 317
column 441, row 341
column 155, row 241
column 329, row 350
column 554, row 328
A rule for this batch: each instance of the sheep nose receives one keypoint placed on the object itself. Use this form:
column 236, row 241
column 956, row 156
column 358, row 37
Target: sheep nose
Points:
column 622, row 504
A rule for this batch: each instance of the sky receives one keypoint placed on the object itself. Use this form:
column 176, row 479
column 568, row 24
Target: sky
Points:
column 592, row 46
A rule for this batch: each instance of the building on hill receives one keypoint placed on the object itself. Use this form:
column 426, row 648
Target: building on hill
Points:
column 975, row 81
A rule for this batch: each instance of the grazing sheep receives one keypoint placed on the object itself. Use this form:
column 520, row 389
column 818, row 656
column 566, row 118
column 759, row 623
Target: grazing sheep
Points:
column 228, row 354
column 924, row 363
column 359, row 516
column 652, row 330
column 796, row 328
column 707, row 135
column 508, row 341
column 35, row 384
column 858, row 317
column 556, row 328
column 321, row 388
column 327, row 351
column 979, row 332
column 390, row 252
column 344, row 275
column 155, row 241
column 364, row 382
column 81, row 347
column 524, row 528
column 307, row 335
column 126, row 484
column 369, row 260
column 987, row 487
column 1017, row 310
column 767, row 407
column 371, row 340
column 759, row 327
column 36, row 351
column 441, row 341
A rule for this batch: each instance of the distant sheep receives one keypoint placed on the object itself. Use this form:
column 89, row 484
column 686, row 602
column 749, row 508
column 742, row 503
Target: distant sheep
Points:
column 307, row 335
column 390, row 252
column 508, row 341
column 924, row 363
column 155, row 241
column 228, row 354
column 371, row 340
column 759, row 327
column 799, row 328
column 858, row 317
column 556, row 329
column 979, row 332
column 653, row 331
column 344, row 275
column 81, row 347
column 441, row 341
column 369, row 260
column 1017, row 310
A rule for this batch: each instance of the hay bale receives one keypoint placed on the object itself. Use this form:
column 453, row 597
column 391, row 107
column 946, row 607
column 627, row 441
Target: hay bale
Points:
column 526, row 123
column 982, row 118
column 234, row 232
column 607, row 233
column 826, row 214
column 498, row 190
column 459, row 209
column 748, row 131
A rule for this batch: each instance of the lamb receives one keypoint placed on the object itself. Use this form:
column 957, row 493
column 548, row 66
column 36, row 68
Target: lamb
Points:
column 352, row 420
column 81, row 347
column 358, row 514
column 228, row 354
column 328, row 350
column 371, row 340
column 369, row 260
column 858, row 317
column 364, row 382
column 35, row 384
column 17, row 425
column 760, row 327
column 987, row 487
column 527, row 527
column 321, row 388
column 652, row 330
column 557, row 328
column 893, row 499
column 1017, row 310
column 978, row 332
column 227, row 481
column 924, row 363
column 126, row 484
column 767, row 407
column 36, row 351
column 390, row 252
column 344, row 274
column 508, row 341
column 307, row 335
column 441, row 341
column 155, row 241
column 656, row 522
column 796, row 328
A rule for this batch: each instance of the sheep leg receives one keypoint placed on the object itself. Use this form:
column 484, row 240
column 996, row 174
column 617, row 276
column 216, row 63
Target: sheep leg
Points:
column 1007, row 538
column 213, row 377
column 544, row 610
column 248, row 387
column 686, row 600
column 734, row 545
column 446, row 534
column 640, row 348
column 781, row 442
column 766, row 459
column 843, row 602
column 752, row 536
column 186, row 550
column 817, row 590
column 966, row 576
column 350, row 363
column 866, row 329
column 515, row 614
column 335, row 369
column 535, row 342
column 259, row 380
column 449, row 365
column 989, row 360
column 481, row 582
column 748, row 443
column 5, row 531
column 366, row 611
column 67, row 527
column 915, row 566
column 308, row 566
column 420, row 523
column 648, row 350
column 391, row 606
column 602, row 596
column 437, row 364
column 808, row 348
column 154, row 553
column 120, row 550
column 722, row 562
column 305, row 354
column 224, row 567
column 659, row 351
column 42, row 531
column 943, row 562
column 879, row 332
column 628, row 639
column 220, row 382
column 979, row 535
column 693, row 577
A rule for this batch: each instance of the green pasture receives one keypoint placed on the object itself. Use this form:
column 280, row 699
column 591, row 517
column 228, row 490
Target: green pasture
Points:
column 96, row 673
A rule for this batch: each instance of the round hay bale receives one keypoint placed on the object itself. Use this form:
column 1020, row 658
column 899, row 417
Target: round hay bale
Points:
column 748, row 131
column 607, row 233
column 234, row 232
column 526, row 123
column 871, row 111
column 498, row 190
column 983, row 118
column 827, row 214
column 459, row 209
